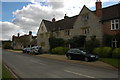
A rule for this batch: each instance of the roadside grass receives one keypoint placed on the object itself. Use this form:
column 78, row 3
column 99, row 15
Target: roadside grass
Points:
column 111, row 61
column 17, row 49
column 6, row 74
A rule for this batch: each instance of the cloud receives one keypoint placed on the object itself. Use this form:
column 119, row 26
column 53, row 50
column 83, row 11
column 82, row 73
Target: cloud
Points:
column 30, row 16
column 8, row 29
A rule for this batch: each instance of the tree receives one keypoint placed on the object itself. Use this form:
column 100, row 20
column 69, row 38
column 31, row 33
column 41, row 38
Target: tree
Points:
column 55, row 42
column 77, row 41
column 91, row 44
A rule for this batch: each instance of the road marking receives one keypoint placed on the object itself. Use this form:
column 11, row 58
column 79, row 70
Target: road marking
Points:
column 78, row 74
column 37, row 62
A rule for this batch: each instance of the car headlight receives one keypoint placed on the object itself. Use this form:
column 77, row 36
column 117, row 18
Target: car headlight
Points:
column 92, row 56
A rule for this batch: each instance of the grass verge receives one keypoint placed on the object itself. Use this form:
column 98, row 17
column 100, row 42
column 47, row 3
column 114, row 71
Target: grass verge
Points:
column 17, row 49
column 111, row 61
column 6, row 73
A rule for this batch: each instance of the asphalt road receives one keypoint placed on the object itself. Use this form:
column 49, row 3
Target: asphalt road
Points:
column 30, row 66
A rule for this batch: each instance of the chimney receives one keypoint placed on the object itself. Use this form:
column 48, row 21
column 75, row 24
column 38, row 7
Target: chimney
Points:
column 18, row 34
column 30, row 32
column 99, row 8
column 53, row 20
column 65, row 16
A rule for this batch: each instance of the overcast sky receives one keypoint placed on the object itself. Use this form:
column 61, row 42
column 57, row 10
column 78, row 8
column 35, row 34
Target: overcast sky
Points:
column 22, row 16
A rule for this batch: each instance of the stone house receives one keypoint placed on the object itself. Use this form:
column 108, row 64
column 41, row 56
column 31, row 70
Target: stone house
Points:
column 87, row 22
column 20, row 42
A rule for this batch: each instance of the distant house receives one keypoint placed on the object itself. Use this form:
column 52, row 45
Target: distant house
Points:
column 88, row 23
column 19, row 42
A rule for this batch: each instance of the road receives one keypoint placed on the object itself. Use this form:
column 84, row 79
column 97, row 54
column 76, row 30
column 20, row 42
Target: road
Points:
column 30, row 66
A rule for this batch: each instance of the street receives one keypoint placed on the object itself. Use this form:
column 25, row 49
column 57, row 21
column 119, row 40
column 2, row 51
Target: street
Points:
column 30, row 66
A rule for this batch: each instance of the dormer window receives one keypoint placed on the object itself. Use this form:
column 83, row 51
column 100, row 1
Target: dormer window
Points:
column 115, row 24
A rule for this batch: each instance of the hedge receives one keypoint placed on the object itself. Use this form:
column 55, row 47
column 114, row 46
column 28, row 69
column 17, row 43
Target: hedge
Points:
column 116, row 53
column 103, row 51
column 59, row 50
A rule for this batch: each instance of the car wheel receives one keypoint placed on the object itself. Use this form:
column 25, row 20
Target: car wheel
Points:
column 86, row 59
column 69, row 57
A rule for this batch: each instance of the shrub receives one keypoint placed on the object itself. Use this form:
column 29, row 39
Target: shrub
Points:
column 59, row 50
column 97, row 51
column 56, row 42
column 106, row 52
column 77, row 41
column 103, row 51
column 94, row 42
column 116, row 53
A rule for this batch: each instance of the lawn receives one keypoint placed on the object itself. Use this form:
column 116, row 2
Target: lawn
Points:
column 113, row 62
column 6, row 73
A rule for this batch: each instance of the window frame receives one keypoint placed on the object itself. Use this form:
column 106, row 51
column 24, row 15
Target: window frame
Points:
column 114, row 43
column 114, row 23
column 67, row 32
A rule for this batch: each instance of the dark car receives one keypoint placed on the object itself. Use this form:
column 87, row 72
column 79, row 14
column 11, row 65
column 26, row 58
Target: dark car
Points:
column 36, row 50
column 26, row 50
column 80, row 54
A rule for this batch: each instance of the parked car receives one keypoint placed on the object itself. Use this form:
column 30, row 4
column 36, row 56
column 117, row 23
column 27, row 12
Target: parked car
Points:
column 80, row 54
column 26, row 50
column 36, row 50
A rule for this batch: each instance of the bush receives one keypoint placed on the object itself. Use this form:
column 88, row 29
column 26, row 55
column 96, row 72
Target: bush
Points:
column 7, row 46
column 91, row 44
column 97, row 51
column 116, row 53
column 106, row 52
column 103, row 51
column 77, row 41
column 59, row 50
column 56, row 42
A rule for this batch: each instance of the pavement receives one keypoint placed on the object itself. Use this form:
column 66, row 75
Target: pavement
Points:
column 64, row 58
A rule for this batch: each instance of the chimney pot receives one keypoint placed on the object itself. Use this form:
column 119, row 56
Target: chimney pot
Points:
column 53, row 20
column 30, row 32
column 18, row 34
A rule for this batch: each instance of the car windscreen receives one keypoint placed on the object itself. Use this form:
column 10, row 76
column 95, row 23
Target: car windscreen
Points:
column 83, row 52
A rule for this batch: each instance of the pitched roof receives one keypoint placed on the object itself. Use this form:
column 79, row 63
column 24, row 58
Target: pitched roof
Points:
column 111, row 12
column 66, row 23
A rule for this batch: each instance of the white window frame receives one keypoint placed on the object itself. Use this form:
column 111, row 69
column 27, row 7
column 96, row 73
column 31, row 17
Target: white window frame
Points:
column 114, row 42
column 113, row 22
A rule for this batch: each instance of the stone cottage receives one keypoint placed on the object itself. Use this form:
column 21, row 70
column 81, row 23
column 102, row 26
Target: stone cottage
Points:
column 88, row 23
column 20, row 42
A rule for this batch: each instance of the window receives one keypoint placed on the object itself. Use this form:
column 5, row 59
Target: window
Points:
column 115, row 24
column 67, row 32
column 85, row 17
column 114, row 43
column 86, row 31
